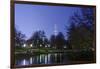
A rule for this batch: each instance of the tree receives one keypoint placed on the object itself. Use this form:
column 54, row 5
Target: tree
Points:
column 38, row 39
column 60, row 41
column 19, row 38
column 81, row 30
column 73, row 36
column 46, row 42
column 52, row 41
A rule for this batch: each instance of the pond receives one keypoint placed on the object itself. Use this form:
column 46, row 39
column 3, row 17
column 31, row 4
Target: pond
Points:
column 51, row 58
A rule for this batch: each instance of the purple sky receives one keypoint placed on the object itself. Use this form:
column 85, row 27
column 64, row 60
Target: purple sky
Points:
column 30, row 18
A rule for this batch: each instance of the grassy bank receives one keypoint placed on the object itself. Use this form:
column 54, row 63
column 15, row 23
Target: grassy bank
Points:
column 74, row 54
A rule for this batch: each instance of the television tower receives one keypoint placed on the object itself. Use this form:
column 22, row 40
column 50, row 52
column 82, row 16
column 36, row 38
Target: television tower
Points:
column 55, row 30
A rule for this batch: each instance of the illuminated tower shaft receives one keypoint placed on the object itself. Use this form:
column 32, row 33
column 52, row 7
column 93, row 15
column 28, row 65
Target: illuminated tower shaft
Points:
column 55, row 30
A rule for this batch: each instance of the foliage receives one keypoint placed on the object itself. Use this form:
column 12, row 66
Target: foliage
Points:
column 60, row 41
column 57, row 41
column 38, row 39
column 19, row 38
column 52, row 41
column 81, row 30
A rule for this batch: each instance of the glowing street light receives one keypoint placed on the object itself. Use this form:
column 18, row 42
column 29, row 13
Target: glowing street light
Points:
column 24, row 45
column 31, row 45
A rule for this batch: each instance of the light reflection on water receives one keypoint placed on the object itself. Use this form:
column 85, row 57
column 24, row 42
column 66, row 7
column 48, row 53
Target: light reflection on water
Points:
column 54, row 58
column 42, row 59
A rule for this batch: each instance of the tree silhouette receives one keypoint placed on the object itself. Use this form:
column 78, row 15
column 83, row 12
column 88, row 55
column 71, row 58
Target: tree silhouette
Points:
column 38, row 39
column 60, row 41
column 57, row 41
column 52, row 41
column 46, row 42
column 19, row 38
column 81, row 30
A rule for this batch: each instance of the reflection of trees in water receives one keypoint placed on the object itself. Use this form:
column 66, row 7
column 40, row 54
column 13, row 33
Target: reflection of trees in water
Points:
column 53, row 58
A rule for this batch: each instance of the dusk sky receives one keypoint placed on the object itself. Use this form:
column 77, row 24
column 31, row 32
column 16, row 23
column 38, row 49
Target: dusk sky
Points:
column 31, row 18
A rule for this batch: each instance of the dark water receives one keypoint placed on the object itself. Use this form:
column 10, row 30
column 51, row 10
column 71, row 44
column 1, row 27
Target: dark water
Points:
column 52, row 58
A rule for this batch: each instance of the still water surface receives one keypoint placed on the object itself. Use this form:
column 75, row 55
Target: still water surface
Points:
column 43, row 59
column 51, row 58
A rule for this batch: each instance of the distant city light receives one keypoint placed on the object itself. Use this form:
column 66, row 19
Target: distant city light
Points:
column 65, row 47
column 40, row 45
column 45, row 45
column 31, row 45
column 24, row 45
column 48, row 45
